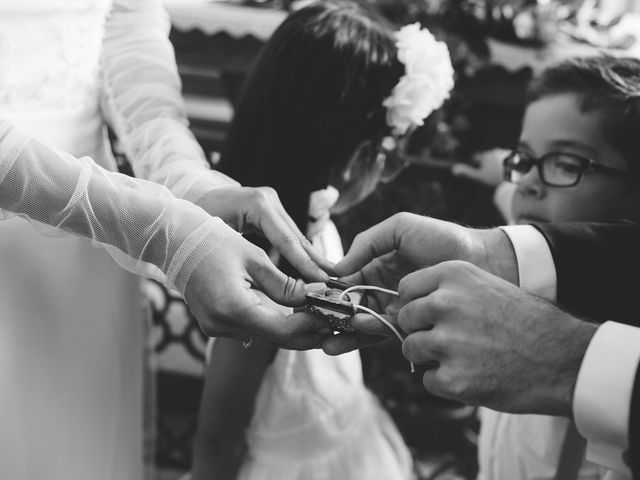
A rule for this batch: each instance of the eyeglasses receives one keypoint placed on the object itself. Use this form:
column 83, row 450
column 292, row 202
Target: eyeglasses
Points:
column 388, row 152
column 556, row 169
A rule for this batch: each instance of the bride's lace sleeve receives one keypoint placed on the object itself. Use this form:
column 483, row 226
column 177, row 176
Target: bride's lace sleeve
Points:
column 143, row 226
column 143, row 103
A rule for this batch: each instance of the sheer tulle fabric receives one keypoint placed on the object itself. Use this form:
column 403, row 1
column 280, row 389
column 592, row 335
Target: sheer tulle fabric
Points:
column 145, row 228
column 144, row 105
column 132, row 71
column 71, row 326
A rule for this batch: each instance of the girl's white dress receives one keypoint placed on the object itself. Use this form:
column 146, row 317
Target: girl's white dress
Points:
column 71, row 329
column 314, row 418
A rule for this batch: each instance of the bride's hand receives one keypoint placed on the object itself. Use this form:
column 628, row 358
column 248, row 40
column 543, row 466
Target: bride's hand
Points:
column 221, row 294
column 259, row 209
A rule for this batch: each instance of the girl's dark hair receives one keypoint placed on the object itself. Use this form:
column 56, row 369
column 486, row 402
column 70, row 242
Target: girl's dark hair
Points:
column 314, row 93
column 605, row 84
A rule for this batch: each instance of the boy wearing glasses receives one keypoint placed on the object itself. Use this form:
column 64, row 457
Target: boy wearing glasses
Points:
column 578, row 159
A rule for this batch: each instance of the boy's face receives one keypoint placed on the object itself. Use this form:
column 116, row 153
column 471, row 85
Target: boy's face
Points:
column 556, row 124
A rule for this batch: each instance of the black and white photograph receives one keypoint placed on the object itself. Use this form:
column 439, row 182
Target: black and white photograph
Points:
column 319, row 239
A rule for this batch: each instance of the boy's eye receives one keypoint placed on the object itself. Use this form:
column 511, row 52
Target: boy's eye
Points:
column 566, row 164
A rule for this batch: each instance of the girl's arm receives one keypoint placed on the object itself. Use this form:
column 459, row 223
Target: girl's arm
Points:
column 232, row 379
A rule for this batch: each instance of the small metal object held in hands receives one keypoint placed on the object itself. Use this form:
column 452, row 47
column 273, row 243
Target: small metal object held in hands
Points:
column 330, row 303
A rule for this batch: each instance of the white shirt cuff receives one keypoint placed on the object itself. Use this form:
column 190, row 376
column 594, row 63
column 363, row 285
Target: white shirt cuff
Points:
column 602, row 397
column 536, row 270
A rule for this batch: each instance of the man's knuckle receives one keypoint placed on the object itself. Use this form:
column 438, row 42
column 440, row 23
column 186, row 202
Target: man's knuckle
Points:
column 461, row 267
column 269, row 192
column 451, row 269
column 259, row 198
column 402, row 216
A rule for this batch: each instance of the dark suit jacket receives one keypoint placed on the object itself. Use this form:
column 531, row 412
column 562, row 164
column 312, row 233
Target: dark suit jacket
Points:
column 598, row 271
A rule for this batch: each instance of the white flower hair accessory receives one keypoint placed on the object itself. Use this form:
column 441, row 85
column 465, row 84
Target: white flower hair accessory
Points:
column 427, row 81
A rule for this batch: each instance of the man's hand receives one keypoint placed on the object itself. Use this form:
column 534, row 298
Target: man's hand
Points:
column 220, row 293
column 387, row 252
column 414, row 242
column 259, row 210
column 490, row 343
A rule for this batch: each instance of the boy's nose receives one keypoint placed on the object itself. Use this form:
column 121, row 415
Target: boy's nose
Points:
column 531, row 185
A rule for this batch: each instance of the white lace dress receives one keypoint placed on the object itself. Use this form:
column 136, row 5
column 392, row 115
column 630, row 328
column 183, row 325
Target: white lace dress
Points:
column 314, row 418
column 70, row 319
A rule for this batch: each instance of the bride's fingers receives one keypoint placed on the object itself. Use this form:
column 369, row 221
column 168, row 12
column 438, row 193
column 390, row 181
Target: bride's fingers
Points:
column 314, row 254
column 319, row 259
column 295, row 332
column 290, row 242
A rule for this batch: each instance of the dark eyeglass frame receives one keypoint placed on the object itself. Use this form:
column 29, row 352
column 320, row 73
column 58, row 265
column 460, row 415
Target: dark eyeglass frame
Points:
column 538, row 162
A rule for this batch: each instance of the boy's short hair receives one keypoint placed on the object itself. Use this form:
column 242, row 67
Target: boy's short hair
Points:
column 605, row 84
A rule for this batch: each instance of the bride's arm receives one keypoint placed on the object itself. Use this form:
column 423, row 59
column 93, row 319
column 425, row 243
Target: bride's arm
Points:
column 146, row 229
column 143, row 225
column 141, row 99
